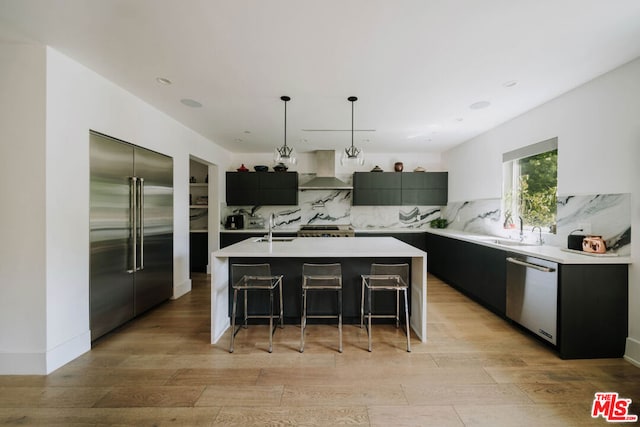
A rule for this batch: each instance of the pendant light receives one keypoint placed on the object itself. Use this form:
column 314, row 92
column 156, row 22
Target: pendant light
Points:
column 285, row 154
column 352, row 155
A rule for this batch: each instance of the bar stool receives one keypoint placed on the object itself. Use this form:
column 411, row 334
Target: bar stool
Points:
column 321, row 277
column 386, row 277
column 251, row 277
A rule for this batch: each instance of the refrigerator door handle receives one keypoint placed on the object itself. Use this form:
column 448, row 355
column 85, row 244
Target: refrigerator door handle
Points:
column 141, row 221
column 133, row 220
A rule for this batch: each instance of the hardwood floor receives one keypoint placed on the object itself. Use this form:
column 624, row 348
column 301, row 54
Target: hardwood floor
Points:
column 475, row 370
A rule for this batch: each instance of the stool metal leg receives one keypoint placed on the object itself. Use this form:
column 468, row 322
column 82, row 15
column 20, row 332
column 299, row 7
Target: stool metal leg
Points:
column 270, row 320
column 281, row 308
column 406, row 315
column 246, row 316
column 369, row 315
column 303, row 321
column 340, row 318
column 233, row 319
column 362, row 305
column 398, row 309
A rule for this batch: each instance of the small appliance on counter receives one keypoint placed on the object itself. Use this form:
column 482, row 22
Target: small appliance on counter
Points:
column 255, row 222
column 235, row 222
column 574, row 241
column 594, row 245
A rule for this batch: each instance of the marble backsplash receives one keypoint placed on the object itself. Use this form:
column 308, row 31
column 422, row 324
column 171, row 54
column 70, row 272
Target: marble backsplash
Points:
column 607, row 215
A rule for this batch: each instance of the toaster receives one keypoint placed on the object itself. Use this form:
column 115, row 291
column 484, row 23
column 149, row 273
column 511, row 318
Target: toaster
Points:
column 235, row 222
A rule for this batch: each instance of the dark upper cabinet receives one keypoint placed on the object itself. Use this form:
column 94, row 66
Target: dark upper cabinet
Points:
column 376, row 188
column 242, row 188
column 262, row 188
column 400, row 188
column 425, row 188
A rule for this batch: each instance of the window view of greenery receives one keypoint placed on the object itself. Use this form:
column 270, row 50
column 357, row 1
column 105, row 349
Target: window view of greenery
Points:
column 530, row 190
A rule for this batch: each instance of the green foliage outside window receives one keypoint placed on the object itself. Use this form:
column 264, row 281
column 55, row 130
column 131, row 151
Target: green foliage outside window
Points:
column 531, row 185
column 538, row 182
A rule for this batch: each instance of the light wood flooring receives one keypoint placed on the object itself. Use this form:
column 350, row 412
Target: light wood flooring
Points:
column 475, row 370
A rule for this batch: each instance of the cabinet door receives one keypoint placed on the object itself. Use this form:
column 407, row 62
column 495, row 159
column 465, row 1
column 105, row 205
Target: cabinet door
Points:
column 593, row 310
column 376, row 189
column 242, row 188
column 477, row 270
column 278, row 188
column 424, row 188
column 198, row 252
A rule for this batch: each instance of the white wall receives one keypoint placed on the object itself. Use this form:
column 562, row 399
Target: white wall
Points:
column 22, row 216
column 598, row 130
column 77, row 100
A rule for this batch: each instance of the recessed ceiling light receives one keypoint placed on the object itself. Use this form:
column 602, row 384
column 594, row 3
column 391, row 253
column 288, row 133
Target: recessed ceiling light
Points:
column 238, row 140
column 510, row 83
column 191, row 103
column 247, row 132
column 163, row 80
column 479, row 105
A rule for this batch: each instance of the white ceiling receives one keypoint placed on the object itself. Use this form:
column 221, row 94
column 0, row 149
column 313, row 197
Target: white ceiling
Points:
column 415, row 65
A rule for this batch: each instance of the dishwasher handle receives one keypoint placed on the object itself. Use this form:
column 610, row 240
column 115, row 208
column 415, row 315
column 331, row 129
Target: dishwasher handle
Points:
column 530, row 265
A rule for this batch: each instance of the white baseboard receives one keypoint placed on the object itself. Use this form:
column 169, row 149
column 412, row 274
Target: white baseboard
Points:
column 65, row 353
column 45, row 363
column 632, row 351
column 182, row 289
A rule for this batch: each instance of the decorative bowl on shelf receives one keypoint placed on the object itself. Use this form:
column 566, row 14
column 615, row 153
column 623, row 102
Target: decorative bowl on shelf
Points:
column 280, row 167
column 261, row 168
column 376, row 169
column 419, row 169
column 242, row 168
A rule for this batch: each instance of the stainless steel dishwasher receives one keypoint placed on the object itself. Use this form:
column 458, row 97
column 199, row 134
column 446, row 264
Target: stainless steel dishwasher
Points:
column 532, row 294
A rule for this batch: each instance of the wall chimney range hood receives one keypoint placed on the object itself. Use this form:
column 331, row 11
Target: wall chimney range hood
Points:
column 325, row 178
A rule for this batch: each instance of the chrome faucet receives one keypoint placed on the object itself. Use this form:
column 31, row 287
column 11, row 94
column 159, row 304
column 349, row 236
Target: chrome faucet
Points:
column 521, row 229
column 272, row 220
column 540, row 241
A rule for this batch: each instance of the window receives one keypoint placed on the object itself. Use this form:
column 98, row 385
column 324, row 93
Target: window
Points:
column 530, row 185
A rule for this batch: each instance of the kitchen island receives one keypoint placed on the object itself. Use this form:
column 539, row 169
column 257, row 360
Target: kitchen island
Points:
column 348, row 250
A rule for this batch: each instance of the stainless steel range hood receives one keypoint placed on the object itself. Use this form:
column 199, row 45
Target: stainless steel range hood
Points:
column 325, row 178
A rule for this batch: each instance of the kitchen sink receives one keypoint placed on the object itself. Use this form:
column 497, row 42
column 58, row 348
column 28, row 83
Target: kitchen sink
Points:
column 505, row 242
column 275, row 239
column 508, row 242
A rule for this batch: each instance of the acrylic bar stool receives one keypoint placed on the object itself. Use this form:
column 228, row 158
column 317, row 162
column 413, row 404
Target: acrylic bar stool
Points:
column 255, row 277
column 321, row 277
column 385, row 277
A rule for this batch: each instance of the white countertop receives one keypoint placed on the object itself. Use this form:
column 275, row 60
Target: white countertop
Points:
column 327, row 247
column 550, row 253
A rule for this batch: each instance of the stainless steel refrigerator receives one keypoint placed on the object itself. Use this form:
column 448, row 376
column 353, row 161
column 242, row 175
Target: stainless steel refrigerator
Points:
column 131, row 232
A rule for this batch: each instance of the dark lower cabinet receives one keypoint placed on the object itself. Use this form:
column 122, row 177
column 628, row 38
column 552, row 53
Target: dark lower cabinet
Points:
column 198, row 252
column 476, row 270
column 592, row 298
column 592, row 310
